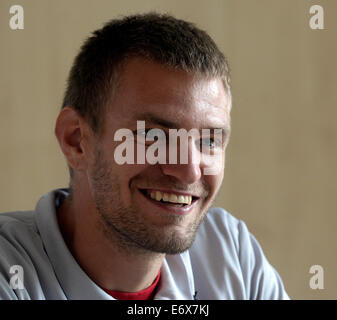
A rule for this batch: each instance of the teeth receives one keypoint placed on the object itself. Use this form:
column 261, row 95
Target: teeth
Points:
column 170, row 197
column 173, row 198
column 158, row 195
column 181, row 199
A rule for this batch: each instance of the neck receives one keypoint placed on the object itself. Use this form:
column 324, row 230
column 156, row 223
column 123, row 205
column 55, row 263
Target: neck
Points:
column 109, row 265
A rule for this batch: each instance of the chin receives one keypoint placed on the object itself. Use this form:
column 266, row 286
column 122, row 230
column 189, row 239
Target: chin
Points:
column 171, row 241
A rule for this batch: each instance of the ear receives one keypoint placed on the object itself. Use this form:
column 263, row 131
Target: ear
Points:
column 70, row 131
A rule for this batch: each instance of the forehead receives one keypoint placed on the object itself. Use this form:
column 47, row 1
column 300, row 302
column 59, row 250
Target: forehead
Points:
column 190, row 100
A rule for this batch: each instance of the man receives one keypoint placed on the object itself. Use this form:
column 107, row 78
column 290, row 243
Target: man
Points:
column 138, row 229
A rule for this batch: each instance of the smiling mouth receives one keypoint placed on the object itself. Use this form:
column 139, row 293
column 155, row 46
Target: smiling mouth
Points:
column 169, row 198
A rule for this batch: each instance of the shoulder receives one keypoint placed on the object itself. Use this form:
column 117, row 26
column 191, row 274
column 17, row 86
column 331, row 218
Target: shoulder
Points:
column 18, row 227
column 23, row 218
column 20, row 244
column 232, row 260
column 18, row 234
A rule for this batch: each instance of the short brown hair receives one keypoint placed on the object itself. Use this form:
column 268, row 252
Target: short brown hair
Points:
column 159, row 37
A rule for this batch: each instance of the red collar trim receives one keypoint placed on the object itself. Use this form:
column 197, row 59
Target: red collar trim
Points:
column 146, row 294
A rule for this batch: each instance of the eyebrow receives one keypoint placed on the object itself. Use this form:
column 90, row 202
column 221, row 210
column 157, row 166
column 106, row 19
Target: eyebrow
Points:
column 155, row 119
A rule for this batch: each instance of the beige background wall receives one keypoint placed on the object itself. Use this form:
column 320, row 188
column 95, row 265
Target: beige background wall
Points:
column 282, row 160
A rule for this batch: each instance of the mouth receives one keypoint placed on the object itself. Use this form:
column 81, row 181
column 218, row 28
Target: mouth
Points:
column 170, row 199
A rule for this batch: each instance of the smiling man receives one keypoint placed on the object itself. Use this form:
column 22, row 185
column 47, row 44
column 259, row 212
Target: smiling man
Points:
column 141, row 229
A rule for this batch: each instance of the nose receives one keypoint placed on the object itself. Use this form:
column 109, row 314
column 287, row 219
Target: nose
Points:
column 189, row 172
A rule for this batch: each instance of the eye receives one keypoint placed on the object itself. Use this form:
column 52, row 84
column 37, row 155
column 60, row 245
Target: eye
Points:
column 150, row 135
column 155, row 134
column 208, row 142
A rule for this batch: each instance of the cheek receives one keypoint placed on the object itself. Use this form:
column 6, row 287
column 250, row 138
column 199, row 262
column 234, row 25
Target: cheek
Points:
column 128, row 176
column 214, row 182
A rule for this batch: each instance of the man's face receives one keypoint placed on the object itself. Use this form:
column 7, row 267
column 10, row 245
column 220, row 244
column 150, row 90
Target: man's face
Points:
column 136, row 202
